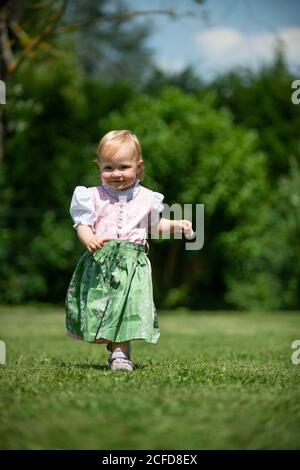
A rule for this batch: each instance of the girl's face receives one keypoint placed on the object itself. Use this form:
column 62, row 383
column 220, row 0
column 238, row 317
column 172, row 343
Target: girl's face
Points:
column 120, row 170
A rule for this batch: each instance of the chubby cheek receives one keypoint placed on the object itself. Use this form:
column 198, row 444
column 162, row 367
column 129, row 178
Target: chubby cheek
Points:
column 129, row 174
column 104, row 176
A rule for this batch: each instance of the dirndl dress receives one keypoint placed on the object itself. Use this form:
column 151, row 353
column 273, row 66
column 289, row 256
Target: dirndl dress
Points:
column 110, row 295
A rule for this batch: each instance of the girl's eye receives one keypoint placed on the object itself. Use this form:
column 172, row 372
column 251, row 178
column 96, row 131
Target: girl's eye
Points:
column 109, row 167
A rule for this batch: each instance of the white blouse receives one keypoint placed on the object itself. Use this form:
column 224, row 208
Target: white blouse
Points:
column 82, row 208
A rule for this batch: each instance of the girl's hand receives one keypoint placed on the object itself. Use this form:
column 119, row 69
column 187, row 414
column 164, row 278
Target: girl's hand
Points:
column 184, row 226
column 96, row 242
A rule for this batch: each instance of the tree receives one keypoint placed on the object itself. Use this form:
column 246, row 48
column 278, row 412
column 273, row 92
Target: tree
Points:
column 30, row 30
column 55, row 112
column 262, row 101
column 186, row 80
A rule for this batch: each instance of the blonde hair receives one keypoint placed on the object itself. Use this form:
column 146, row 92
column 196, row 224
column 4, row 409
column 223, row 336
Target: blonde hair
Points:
column 112, row 141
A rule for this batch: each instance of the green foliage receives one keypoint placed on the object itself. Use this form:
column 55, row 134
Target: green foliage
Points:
column 186, row 80
column 241, row 161
column 262, row 101
column 264, row 271
column 54, row 115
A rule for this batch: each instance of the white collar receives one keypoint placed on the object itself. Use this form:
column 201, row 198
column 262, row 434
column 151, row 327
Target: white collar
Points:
column 127, row 194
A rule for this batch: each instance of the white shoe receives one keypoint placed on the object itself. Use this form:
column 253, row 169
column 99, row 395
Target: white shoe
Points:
column 119, row 360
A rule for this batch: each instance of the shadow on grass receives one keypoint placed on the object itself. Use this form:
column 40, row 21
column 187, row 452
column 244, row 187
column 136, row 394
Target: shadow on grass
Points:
column 137, row 366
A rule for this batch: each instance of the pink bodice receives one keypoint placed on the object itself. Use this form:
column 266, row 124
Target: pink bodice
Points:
column 117, row 218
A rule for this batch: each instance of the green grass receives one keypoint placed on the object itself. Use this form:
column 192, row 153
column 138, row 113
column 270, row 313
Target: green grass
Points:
column 213, row 381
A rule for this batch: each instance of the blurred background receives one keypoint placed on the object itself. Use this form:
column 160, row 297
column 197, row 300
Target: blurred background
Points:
column 206, row 86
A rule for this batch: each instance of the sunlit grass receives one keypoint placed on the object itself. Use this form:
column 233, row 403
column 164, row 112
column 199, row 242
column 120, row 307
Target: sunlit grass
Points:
column 213, row 381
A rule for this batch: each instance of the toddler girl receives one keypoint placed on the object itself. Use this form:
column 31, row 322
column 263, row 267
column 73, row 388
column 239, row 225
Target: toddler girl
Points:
column 110, row 297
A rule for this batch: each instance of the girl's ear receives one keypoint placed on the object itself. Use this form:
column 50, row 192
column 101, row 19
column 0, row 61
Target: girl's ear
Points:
column 140, row 169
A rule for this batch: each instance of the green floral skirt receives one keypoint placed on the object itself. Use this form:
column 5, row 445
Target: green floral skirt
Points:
column 110, row 296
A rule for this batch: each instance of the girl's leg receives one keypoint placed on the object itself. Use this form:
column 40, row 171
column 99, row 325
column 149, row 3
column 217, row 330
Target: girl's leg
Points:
column 124, row 347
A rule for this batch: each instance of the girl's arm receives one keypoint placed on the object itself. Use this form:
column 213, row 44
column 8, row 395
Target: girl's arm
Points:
column 171, row 226
column 166, row 226
column 88, row 239
column 85, row 233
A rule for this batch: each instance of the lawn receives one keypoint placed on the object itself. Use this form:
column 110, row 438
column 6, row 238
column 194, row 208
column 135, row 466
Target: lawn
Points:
column 214, row 380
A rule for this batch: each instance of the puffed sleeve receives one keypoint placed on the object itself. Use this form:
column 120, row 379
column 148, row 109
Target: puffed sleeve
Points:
column 82, row 207
column 156, row 207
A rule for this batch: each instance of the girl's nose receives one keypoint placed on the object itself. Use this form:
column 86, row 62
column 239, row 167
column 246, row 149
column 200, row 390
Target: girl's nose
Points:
column 116, row 173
